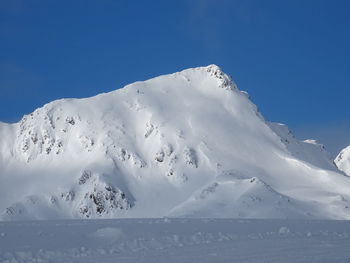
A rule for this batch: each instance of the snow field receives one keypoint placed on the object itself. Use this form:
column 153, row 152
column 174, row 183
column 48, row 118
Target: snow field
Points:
column 175, row 240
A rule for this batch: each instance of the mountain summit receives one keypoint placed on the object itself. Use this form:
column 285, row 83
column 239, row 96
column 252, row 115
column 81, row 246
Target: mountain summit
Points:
column 188, row 144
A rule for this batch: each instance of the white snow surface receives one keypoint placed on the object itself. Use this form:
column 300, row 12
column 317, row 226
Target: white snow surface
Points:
column 343, row 160
column 175, row 240
column 188, row 144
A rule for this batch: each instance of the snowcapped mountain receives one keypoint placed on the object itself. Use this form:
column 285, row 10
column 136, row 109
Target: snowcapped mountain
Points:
column 343, row 160
column 188, row 144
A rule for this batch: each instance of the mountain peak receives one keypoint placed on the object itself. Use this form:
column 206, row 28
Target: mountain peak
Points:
column 212, row 71
column 188, row 140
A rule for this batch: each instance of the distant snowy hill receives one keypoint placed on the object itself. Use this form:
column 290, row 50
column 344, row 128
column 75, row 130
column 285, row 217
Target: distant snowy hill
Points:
column 188, row 144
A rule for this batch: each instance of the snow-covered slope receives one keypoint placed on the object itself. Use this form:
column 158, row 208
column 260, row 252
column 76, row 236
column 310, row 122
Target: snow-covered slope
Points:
column 184, row 144
column 343, row 160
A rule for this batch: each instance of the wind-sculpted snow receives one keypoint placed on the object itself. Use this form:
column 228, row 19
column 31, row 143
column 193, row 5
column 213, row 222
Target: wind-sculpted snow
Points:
column 185, row 144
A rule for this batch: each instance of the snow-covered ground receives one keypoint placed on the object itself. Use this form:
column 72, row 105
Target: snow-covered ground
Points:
column 175, row 240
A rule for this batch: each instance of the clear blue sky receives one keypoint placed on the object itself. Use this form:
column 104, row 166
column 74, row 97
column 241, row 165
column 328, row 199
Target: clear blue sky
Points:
column 293, row 57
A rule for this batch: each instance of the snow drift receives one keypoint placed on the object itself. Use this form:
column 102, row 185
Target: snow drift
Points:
column 188, row 144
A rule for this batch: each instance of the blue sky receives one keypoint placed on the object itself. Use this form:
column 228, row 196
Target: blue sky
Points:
column 293, row 57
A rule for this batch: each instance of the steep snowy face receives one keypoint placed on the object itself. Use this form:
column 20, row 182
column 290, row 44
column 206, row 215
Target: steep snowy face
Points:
column 343, row 160
column 184, row 144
